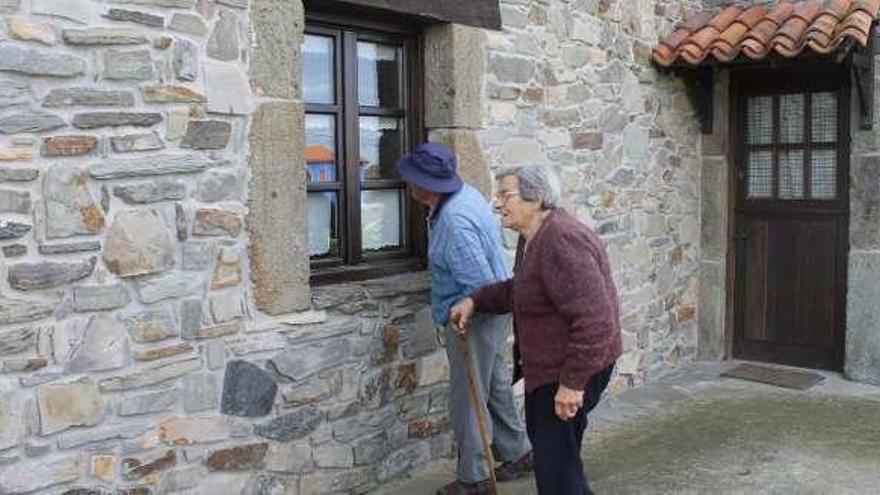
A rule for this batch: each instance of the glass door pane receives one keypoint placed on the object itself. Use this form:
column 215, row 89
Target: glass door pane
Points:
column 791, row 119
column 760, row 174
column 791, row 174
column 759, row 120
column 824, row 174
column 824, row 117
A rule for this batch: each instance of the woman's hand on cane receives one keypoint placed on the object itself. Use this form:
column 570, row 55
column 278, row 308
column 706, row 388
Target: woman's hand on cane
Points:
column 460, row 314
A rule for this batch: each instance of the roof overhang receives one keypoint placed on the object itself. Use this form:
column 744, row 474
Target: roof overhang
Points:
column 789, row 32
column 788, row 29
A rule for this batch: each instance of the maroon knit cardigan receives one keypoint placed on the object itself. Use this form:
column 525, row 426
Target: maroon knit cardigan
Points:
column 565, row 309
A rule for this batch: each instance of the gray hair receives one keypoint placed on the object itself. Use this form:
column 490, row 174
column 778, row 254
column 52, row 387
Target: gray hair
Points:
column 535, row 184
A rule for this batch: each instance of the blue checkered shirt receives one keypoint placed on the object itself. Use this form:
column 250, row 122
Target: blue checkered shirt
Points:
column 464, row 250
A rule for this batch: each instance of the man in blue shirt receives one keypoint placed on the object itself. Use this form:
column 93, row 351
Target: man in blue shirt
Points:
column 465, row 253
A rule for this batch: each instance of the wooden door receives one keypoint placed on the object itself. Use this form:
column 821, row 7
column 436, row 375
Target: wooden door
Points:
column 791, row 172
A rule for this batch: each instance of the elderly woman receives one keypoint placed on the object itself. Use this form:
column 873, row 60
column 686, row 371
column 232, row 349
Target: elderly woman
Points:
column 566, row 323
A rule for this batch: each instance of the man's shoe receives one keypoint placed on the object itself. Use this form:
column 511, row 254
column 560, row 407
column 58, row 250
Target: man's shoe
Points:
column 460, row 488
column 513, row 470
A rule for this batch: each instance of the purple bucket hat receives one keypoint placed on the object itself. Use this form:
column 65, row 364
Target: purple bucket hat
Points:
column 431, row 166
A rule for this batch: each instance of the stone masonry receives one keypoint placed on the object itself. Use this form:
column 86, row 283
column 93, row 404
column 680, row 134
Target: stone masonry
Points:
column 152, row 219
column 570, row 87
column 158, row 333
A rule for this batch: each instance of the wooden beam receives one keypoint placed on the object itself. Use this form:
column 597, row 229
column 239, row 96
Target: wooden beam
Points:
column 863, row 80
column 700, row 85
column 479, row 13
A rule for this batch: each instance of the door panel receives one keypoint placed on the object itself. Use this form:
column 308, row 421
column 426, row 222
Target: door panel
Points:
column 791, row 149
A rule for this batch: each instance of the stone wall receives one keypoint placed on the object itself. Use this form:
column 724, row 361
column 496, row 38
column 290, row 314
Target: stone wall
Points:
column 570, row 86
column 151, row 221
column 862, row 361
column 157, row 329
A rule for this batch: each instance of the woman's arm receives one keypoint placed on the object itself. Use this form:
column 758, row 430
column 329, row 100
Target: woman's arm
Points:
column 495, row 298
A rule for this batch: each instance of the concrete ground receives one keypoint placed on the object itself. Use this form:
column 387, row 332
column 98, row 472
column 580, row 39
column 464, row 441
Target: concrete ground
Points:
column 692, row 432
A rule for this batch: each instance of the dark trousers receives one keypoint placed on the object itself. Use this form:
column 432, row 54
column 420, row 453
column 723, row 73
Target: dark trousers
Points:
column 556, row 444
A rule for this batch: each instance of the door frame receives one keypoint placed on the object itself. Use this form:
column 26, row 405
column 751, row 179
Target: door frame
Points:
column 793, row 76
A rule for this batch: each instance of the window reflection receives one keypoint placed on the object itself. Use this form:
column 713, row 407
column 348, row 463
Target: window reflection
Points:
column 320, row 147
column 378, row 75
column 380, row 147
column 318, row 69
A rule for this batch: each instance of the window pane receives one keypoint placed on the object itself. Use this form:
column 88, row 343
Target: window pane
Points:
column 318, row 80
column 760, row 178
column 791, row 174
column 380, row 147
column 824, row 118
column 824, row 170
column 321, row 147
column 759, row 119
column 323, row 215
column 791, row 118
column 380, row 218
column 378, row 75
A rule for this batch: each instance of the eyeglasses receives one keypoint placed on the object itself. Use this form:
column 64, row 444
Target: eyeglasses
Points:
column 502, row 197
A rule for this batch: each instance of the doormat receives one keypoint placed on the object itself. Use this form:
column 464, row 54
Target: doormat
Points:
column 799, row 380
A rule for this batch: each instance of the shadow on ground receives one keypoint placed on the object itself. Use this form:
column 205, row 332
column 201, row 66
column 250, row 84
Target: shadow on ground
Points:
column 693, row 432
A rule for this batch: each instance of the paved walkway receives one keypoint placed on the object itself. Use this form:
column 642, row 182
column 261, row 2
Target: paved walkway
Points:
column 692, row 432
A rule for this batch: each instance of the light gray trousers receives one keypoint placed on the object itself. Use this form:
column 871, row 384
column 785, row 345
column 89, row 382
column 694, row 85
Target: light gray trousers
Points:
column 487, row 339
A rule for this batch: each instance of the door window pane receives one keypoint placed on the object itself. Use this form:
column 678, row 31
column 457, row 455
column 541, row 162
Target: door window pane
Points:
column 759, row 120
column 378, row 75
column 791, row 118
column 323, row 219
column 321, row 147
column 760, row 178
column 318, row 60
column 380, row 147
column 824, row 174
column 791, row 174
column 824, row 117
column 380, row 217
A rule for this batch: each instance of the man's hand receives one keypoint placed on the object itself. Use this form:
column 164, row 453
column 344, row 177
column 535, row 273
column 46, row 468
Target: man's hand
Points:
column 460, row 314
column 567, row 402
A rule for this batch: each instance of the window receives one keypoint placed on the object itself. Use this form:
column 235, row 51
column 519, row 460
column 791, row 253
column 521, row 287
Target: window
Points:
column 362, row 113
column 792, row 147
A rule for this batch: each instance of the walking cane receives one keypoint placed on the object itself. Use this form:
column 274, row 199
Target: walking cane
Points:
column 475, row 405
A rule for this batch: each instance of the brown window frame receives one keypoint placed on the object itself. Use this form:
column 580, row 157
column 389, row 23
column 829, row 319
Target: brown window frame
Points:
column 353, row 264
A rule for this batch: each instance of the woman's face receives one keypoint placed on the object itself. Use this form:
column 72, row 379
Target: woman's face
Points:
column 515, row 212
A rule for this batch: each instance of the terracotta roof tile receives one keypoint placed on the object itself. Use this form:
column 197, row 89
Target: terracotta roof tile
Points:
column 725, row 18
column 752, row 15
column 787, row 28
